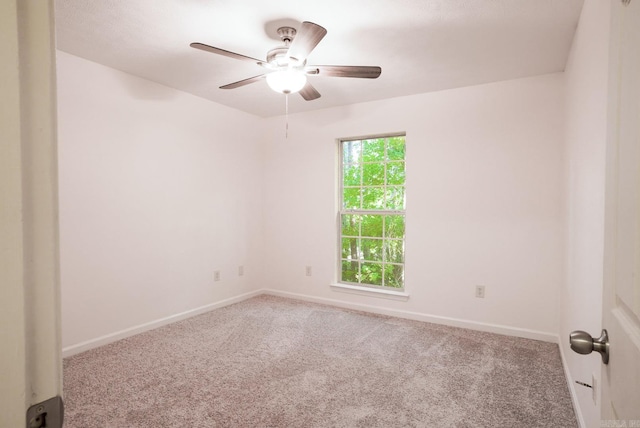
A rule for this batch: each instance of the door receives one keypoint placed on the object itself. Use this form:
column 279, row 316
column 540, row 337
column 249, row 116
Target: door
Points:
column 621, row 300
column 30, row 355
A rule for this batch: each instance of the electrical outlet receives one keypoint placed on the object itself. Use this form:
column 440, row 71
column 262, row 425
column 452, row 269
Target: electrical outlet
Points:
column 594, row 388
column 240, row 270
column 480, row 291
column 216, row 275
column 307, row 270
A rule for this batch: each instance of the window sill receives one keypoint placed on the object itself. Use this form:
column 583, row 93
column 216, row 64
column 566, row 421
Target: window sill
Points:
column 368, row 291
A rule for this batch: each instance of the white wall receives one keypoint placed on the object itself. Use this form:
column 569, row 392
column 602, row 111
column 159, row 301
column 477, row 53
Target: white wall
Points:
column 158, row 189
column 585, row 134
column 484, row 201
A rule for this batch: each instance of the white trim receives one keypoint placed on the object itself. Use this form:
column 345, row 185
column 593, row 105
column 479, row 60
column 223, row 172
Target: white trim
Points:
column 418, row 316
column 122, row 334
column 370, row 291
column 572, row 390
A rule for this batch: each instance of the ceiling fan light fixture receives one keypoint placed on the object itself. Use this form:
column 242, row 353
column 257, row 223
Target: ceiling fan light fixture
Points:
column 286, row 66
column 287, row 81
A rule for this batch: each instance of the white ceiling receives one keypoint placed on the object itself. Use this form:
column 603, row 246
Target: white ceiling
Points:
column 421, row 45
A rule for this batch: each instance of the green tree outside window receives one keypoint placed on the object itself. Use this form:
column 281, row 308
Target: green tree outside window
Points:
column 372, row 219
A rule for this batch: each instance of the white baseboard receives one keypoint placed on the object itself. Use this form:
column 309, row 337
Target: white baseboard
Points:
column 113, row 337
column 418, row 316
column 572, row 390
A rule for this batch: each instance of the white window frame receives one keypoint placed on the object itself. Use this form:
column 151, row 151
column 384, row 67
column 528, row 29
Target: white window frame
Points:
column 391, row 291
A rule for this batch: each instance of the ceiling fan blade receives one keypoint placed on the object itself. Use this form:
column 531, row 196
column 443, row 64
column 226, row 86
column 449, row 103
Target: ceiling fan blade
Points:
column 361, row 71
column 309, row 93
column 305, row 40
column 223, row 52
column 243, row 82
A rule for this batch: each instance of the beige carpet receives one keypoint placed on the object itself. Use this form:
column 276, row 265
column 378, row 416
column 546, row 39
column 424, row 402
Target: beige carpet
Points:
column 274, row 362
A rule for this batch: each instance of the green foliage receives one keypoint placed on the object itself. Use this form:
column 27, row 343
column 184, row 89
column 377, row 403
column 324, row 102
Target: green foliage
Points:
column 372, row 198
column 378, row 166
column 351, row 175
column 372, row 245
column 351, row 224
column 387, row 249
column 351, row 198
column 373, row 174
column 350, row 249
column 350, row 271
column 394, row 250
column 372, row 249
column 395, row 173
column 371, row 273
column 396, row 148
column 373, row 150
column 372, row 225
column 394, row 198
column 394, row 276
column 394, row 226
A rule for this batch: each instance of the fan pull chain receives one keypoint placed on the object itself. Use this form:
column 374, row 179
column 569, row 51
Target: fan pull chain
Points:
column 286, row 110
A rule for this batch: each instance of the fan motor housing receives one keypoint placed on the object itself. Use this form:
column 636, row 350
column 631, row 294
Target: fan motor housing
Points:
column 278, row 56
column 286, row 34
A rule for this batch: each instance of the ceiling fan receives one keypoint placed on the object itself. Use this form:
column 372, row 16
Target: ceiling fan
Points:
column 286, row 66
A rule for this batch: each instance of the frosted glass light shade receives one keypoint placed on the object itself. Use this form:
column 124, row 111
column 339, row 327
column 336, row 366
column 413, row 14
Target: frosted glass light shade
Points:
column 286, row 81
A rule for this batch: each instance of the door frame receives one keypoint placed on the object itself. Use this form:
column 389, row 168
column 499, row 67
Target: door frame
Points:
column 31, row 361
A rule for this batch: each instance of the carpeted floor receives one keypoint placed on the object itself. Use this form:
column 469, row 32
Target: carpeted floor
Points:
column 275, row 362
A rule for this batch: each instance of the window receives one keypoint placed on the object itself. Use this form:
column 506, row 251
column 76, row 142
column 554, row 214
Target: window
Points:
column 372, row 216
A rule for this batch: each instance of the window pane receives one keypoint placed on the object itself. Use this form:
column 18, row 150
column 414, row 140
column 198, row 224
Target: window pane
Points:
column 372, row 174
column 373, row 150
column 351, row 151
column 394, row 251
column 395, row 198
column 371, row 273
column 393, row 276
column 395, row 173
column 345, row 247
column 372, row 198
column 350, row 250
column 372, row 249
column 351, row 225
column 349, row 271
column 351, row 198
column 351, row 175
column 394, row 226
column 395, row 148
column 372, row 221
column 372, row 225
